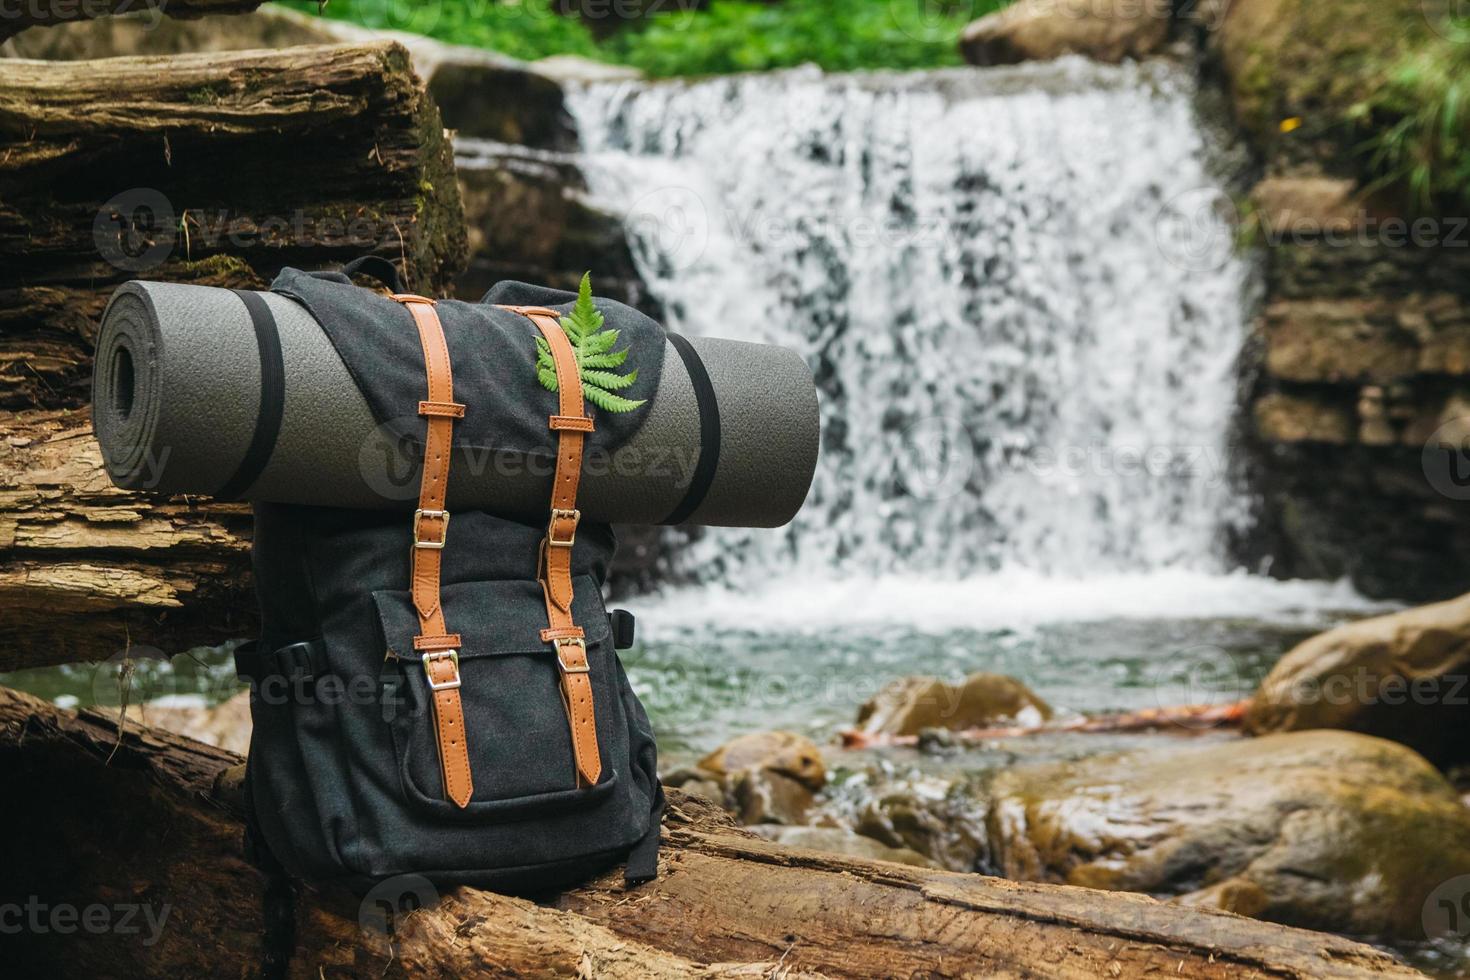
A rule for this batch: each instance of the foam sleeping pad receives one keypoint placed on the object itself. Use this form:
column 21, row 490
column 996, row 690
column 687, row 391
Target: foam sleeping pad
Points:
column 308, row 394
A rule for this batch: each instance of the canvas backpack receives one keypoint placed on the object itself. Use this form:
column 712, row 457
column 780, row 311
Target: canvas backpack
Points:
column 440, row 694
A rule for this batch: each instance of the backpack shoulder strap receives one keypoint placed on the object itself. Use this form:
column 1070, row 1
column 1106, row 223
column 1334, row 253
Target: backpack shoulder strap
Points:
column 439, row 647
column 571, row 426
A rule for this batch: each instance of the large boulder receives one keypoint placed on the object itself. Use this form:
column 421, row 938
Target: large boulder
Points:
column 909, row 705
column 1328, row 830
column 1404, row 677
column 1040, row 30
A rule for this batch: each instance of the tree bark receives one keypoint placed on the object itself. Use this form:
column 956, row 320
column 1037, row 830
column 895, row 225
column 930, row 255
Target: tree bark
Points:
column 217, row 168
column 17, row 15
column 149, row 819
column 88, row 570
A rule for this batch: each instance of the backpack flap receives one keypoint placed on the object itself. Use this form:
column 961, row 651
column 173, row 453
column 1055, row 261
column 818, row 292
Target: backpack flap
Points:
column 519, row 743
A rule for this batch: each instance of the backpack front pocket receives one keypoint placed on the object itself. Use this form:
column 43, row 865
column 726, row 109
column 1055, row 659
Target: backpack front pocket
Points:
column 516, row 730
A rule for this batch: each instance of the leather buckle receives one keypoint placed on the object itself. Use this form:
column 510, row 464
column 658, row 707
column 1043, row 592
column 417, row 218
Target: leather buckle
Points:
column 453, row 657
column 418, row 517
column 561, row 661
column 558, row 514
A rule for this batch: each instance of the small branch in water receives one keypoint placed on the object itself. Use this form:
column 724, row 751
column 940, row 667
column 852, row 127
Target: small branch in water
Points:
column 1187, row 719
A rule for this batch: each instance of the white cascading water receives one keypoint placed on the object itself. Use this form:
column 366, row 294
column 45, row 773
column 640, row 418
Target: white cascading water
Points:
column 1013, row 286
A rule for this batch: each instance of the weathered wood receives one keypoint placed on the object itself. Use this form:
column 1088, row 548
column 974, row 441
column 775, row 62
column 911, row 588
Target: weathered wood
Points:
column 21, row 14
column 218, row 168
column 87, row 569
column 725, row 904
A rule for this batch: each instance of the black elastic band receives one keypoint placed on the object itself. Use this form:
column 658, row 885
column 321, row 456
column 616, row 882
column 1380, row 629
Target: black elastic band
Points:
column 709, row 432
column 272, row 398
column 377, row 267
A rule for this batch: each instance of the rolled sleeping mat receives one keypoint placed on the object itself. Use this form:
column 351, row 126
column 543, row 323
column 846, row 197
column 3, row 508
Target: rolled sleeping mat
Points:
column 308, row 394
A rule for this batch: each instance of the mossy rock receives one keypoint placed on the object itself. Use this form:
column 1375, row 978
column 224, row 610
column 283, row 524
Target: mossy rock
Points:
column 1326, row 830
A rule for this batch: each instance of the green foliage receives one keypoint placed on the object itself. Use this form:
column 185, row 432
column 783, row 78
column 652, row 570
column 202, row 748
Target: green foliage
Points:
column 1417, row 126
column 724, row 36
column 597, row 362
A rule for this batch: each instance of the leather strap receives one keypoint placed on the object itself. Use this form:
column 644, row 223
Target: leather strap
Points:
column 571, row 426
column 439, row 647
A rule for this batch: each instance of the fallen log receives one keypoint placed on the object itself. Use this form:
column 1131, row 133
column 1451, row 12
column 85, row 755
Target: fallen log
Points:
column 17, row 15
column 88, row 570
column 216, row 168
column 725, row 904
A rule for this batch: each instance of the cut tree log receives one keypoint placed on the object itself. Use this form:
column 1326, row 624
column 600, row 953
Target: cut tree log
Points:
column 88, row 570
column 17, row 15
column 725, row 904
column 216, row 168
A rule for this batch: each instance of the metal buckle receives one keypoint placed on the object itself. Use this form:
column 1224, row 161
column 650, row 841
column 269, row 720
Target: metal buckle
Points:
column 558, row 514
column 586, row 668
column 453, row 657
column 418, row 517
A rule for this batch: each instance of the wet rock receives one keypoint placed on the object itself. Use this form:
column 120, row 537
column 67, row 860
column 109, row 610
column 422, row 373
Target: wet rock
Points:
column 1328, row 830
column 912, row 704
column 835, row 840
column 943, row 822
column 765, row 797
column 1404, row 677
column 489, row 96
column 1040, row 30
column 784, row 753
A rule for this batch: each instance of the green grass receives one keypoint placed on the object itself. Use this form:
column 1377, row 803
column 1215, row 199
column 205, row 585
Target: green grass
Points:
column 726, row 36
column 1417, row 126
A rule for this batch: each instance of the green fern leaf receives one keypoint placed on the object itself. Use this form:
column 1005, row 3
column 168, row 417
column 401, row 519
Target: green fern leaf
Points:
column 599, row 343
column 596, row 359
column 603, row 361
column 608, row 380
column 608, row 401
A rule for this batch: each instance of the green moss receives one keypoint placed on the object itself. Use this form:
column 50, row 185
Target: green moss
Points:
column 1386, row 80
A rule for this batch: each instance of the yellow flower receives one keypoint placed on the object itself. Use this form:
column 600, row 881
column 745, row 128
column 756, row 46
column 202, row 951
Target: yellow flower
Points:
column 1291, row 125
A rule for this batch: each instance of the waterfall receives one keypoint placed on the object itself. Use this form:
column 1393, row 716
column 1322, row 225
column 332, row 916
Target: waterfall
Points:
column 1014, row 287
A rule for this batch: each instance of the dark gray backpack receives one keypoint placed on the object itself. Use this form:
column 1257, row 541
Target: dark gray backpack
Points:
column 424, row 701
